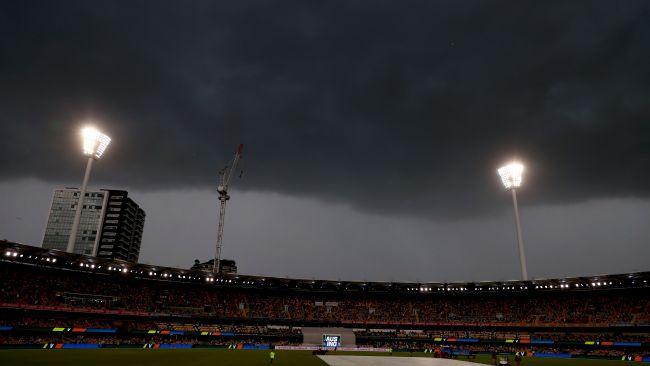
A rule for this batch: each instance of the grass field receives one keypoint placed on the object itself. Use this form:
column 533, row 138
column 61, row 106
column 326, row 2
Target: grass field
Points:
column 199, row 357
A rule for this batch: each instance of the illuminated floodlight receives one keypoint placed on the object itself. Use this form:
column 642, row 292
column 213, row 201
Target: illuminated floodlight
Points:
column 94, row 142
column 94, row 146
column 511, row 175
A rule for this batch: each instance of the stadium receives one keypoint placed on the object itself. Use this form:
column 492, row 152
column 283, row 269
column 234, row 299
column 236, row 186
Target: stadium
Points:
column 54, row 300
column 424, row 183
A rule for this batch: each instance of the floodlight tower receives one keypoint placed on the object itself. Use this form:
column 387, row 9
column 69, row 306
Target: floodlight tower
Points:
column 224, row 180
column 94, row 145
column 511, row 176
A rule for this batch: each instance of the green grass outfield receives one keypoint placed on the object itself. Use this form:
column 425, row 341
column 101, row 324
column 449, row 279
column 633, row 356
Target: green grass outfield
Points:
column 213, row 357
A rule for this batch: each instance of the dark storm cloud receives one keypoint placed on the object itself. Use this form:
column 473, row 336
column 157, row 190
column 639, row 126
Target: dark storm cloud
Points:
column 389, row 106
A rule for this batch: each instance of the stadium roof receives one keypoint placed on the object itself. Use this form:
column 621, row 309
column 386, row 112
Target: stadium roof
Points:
column 30, row 255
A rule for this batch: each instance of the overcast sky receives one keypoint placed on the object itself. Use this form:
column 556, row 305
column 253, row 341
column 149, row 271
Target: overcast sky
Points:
column 372, row 130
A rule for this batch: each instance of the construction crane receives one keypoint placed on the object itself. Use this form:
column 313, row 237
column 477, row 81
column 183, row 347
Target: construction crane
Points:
column 224, row 180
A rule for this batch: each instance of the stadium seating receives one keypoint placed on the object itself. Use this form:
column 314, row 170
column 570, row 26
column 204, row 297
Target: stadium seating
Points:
column 27, row 286
column 44, row 303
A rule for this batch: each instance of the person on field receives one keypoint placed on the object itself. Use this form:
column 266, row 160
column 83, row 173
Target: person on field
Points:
column 518, row 358
column 272, row 356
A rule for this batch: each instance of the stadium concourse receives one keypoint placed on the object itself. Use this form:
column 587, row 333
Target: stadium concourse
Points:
column 56, row 300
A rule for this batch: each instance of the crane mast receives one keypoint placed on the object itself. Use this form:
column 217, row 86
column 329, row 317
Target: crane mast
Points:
column 225, row 175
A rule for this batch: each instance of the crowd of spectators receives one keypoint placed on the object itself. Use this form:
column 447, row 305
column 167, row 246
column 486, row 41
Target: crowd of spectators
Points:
column 503, row 335
column 431, row 348
column 34, row 321
column 95, row 291
column 229, row 328
column 23, row 339
column 41, row 322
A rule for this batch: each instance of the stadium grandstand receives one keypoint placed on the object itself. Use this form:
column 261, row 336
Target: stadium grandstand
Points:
column 55, row 299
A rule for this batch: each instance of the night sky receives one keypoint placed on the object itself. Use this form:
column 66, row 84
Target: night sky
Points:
column 372, row 130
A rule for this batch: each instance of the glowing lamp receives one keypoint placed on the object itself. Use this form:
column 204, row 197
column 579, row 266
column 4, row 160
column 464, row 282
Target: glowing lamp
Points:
column 511, row 175
column 94, row 142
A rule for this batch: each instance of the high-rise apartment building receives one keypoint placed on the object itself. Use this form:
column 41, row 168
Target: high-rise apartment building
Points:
column 111, row 224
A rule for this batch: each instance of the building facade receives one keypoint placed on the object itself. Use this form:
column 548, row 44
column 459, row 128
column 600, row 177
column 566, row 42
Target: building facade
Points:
column 62, row 211
column 121, row 232
column 111, row 224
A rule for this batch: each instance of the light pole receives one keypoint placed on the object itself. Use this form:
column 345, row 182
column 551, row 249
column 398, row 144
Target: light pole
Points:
column 511, row 175
column 94, row 145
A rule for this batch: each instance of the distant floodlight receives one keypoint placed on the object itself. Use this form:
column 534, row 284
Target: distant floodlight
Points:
column 94, row 145
column 94, row 142
column 511, row 178
column 511, row 174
